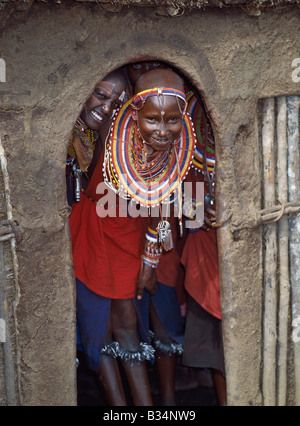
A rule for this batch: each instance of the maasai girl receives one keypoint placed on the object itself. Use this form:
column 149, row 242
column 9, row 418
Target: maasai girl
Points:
column 203, row 345
column 161, row 314
column 90, row 130
column 146, row 158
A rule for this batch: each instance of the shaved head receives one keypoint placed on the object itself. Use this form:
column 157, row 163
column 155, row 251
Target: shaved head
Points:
column 159, row 78
column 118, row 74
column 159, row 115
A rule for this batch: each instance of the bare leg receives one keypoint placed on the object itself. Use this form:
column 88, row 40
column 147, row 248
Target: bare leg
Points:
column 166, row 376
column 110, row 378
column 220, row 385
column 139, row 384
column 124, row 329
column 165, row 363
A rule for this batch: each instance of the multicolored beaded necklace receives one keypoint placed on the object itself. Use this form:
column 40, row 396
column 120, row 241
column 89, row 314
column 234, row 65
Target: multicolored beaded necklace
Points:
column 133, row 177
column 148, row 165
column 204, row 158
column 86, row 138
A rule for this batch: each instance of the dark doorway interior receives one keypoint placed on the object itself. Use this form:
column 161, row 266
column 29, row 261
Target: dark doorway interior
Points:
column 194, row 387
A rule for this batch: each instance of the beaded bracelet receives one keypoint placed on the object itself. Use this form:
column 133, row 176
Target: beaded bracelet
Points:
column 153, row 263
column 151, row 235
column 152, row 252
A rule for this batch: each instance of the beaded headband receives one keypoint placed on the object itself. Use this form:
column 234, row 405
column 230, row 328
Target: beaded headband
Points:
column 143, row 95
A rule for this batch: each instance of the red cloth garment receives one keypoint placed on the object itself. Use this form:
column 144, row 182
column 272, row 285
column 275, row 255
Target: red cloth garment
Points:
column 106, row 251
column 168, row 268
column 200, row 259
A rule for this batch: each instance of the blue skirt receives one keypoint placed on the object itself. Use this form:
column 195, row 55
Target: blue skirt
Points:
column 92, row 322
column 167, row 309
column 93, row 317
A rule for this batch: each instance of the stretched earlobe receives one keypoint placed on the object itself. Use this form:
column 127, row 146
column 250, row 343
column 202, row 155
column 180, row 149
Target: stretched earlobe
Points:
column 133, row 113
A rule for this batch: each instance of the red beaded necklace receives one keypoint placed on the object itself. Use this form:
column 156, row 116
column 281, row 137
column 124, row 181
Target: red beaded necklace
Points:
column 147, row 163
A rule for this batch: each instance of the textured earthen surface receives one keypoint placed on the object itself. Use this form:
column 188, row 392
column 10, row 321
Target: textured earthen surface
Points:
column 55, row 53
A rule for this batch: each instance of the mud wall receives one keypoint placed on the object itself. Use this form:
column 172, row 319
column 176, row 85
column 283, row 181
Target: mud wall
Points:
column 54, row 55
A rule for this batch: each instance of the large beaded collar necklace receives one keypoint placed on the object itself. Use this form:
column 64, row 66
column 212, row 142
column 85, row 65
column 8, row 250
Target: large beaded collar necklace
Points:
column 205, row 145
column 148, row 164
column 146, row 178
column 204, row 157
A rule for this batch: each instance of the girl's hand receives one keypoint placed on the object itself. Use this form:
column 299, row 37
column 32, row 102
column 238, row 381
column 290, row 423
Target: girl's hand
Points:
column 147, row 280
column 209, row 218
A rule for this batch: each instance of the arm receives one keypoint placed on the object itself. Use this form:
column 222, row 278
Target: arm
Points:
column 147, row 279
column 209, row 217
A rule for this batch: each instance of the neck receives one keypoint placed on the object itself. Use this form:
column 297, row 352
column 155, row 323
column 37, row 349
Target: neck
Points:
column 148, row 162
column 147, row 148
column 80, row 124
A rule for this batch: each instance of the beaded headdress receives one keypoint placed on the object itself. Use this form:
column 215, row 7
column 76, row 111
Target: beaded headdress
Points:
column 157, row 91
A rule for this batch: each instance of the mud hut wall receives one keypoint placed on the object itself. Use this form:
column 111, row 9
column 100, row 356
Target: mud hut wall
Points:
column 54, row 55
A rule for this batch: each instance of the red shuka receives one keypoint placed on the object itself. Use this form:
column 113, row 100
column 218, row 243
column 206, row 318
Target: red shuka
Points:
column 106, row 251
column 200, row 259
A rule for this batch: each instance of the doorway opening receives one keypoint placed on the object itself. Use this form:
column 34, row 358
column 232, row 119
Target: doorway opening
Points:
column 196, row 285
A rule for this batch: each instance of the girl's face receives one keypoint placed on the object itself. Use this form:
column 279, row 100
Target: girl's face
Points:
column 160, row 121
column 138, row 68
column 106, row 98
